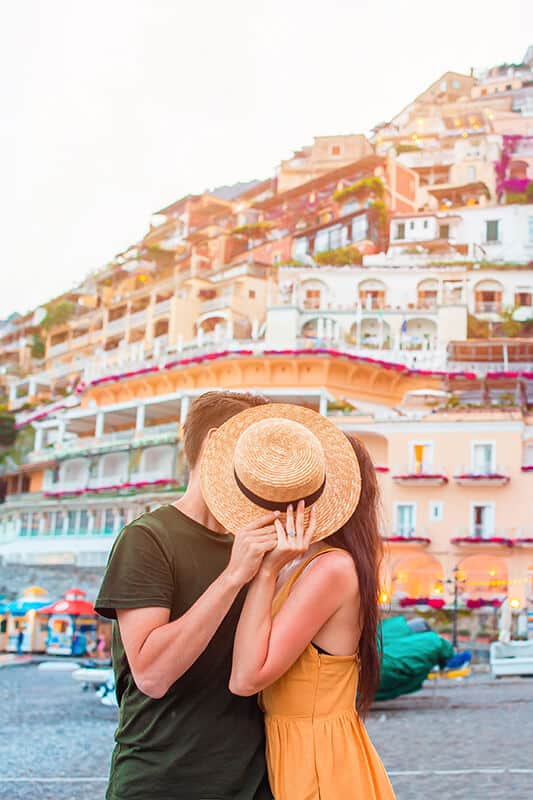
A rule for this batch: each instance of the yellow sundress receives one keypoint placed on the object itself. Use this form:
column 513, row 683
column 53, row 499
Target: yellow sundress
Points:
column 317, row 746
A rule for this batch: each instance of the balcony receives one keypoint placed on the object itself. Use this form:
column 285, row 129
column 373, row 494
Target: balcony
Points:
column 409, row 536
column 118, row 324
column 419, row 475
column 216, row 303
column 58, row 349
column 482, row 476
column 523, row 537
column 162, row 307
column 118, row 440
column 483, row 536
column 488, row 307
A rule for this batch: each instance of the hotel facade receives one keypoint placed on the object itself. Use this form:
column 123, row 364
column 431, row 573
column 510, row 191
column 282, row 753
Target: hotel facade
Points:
column 384, row 283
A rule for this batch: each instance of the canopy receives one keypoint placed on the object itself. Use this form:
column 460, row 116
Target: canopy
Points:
column 408, row 657
column 74, row 608
column 73, row 603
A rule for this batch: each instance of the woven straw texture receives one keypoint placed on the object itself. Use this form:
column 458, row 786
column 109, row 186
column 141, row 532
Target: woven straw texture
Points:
column 279, row 461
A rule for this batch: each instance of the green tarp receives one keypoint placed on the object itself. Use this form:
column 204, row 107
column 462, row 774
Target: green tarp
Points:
column 408, row 657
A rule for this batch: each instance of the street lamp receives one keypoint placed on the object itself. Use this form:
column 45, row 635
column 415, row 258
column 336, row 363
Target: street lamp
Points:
column 457, row 583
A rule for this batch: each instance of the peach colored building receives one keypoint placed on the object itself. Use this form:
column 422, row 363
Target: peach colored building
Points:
column 455, row 482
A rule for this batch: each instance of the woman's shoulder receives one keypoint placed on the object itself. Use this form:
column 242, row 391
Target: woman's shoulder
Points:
column 334, row 567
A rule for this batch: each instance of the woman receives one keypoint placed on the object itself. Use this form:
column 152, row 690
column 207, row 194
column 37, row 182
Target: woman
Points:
column 307, row 639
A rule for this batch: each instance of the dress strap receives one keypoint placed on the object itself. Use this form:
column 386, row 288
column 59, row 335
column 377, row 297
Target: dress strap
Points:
column 284, row 592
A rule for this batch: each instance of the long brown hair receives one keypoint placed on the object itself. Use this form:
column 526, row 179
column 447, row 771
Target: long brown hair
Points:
column 361, row 538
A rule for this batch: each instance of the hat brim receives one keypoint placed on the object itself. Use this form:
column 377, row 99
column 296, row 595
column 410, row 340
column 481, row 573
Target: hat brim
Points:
column 234, row 510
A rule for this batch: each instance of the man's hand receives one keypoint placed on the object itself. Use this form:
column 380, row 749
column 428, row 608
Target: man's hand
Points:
column 249, row 548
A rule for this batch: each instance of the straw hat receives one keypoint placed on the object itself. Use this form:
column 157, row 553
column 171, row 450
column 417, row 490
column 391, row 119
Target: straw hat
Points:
column 269, row 456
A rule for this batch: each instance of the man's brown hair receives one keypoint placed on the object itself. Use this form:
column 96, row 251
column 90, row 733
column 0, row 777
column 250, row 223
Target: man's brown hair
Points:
column 211, row 410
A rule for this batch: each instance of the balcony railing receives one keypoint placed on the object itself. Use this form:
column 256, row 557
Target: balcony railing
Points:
column 116, row 324
column 419, row 474
column 58, row 349
column 488, row 307
column 162, row 307
column 408, row 534
column 482, row 475
column 484, row 534
column 216, row 303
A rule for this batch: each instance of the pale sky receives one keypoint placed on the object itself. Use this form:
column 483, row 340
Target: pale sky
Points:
column 111, row 109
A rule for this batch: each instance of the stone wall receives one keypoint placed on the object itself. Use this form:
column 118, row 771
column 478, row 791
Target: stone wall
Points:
column 56, row 579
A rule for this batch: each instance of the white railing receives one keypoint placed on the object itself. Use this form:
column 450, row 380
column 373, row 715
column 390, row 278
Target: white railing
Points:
column 162, row 307
column 485, row 531
column 138, row 318
column 216, row 303
column 57, row 349
column 407, row 532
column 427, row 470
column 481, row 471
column 116, row 324
column 422, row 359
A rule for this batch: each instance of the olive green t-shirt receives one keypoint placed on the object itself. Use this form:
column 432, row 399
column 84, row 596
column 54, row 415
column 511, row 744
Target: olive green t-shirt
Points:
column 199, row 741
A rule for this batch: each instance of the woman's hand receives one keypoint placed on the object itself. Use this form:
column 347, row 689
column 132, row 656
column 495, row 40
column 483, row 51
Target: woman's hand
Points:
column 293, row 539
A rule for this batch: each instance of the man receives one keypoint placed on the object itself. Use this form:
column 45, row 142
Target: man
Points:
column 175, row 584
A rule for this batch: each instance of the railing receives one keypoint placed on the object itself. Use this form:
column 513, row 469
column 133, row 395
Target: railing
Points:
column 57, row 349
column 407, row 532
column 116, row 324
column 138, row 318
column 488, row 471
column 162, row 307
column 484, row 307
column 434, row 358
column 415, row 471
column 485, row 531
column 216, row 303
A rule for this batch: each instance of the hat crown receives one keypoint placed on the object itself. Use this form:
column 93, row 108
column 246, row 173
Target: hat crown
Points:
column 280, row 460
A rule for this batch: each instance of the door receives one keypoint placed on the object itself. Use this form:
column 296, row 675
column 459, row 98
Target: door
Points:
column 405, row 520
column 482, row 521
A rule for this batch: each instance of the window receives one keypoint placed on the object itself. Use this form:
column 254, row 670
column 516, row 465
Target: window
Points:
column 59, row 523
column 121, row 518
column 400, row 231
column 34, row 528
column 405, row 519
column 359, row 228
column 492, row 232
column 530, row 230
column 471, row 174
column 421, row 458
column 24, row 523
column 251, row 293
column 483, row 458
column 482, row 526
column 456, row 84
column 436, row 511
column 84, row 521
column 25, row 484
column 72, row 519
column 522, row 299
column 412, row 225
column 444, row 231
column 312, row 298
column 109, row 520
column 300, row 247
column 336, row 150
column 426, row 223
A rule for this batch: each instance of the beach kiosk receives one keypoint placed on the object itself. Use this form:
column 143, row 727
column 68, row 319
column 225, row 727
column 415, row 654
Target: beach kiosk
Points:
column 25, row 633
column 71, row 625
column 4, row 612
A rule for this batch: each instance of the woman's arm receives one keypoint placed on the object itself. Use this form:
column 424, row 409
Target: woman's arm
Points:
column 265, row 648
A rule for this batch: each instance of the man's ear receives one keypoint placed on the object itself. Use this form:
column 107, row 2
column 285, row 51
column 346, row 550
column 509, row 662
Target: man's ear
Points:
column 208, row 436
column 210, row 433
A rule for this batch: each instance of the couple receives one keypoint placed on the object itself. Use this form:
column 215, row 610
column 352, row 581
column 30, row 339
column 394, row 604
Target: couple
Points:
column 261, row 580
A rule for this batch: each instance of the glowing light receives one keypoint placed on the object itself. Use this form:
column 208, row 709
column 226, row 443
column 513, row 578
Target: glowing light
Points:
column 383, row 597
column 492, row 572
column 514, row 603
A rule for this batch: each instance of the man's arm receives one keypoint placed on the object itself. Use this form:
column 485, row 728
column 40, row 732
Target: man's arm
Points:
column 158, row 651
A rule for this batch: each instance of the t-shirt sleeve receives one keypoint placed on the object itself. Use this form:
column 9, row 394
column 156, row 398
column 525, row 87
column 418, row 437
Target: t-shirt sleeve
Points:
column 138, row 574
